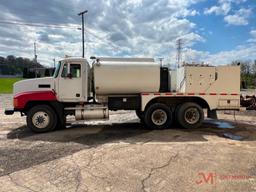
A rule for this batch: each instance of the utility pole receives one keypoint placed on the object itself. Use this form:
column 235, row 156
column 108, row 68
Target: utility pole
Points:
column 54, row 62
column 35, row 59
column 161, row 61
column 179, row 44
column 82, row 14
column 35, row 55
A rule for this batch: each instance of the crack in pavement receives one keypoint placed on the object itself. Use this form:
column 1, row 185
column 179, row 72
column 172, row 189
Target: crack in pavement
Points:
column 102, row 178
column 99, row 161
column 79, row 174
column 91, row 158
column 19, row 185
column 97, row 176
column 154, row 169
column 87, row 168
column 105, row 152
column 51, row 175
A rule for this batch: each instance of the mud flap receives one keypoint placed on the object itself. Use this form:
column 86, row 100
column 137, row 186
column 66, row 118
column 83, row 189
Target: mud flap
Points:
column 212, row 114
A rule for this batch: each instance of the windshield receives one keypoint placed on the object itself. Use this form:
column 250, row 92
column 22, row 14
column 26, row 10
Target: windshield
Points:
column 57, row 69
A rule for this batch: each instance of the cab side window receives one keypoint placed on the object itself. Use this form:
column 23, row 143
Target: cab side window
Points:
column 75, row 70
column 65, row 70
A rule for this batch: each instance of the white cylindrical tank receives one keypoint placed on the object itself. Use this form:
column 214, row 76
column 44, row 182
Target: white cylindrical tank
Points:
column 126, row 75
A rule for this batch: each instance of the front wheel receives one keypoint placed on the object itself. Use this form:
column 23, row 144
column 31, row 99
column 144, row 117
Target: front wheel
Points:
column 158, row 116
column 41, row 118
column 190, row 115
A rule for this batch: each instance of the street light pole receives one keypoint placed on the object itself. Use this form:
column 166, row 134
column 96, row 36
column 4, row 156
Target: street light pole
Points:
column 82, row 14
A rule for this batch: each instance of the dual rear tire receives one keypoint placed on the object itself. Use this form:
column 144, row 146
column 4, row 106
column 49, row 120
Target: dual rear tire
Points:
column 189, row 115
column 160, row 116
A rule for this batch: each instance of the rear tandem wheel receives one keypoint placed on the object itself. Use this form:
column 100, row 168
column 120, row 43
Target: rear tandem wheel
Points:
column 158, row 116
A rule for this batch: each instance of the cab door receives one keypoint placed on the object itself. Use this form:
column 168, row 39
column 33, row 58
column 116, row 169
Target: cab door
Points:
column 70, row 83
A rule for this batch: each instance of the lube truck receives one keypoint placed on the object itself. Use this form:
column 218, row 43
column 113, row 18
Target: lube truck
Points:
column 159, row 95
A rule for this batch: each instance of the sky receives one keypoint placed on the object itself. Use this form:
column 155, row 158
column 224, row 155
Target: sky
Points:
column 215, row 32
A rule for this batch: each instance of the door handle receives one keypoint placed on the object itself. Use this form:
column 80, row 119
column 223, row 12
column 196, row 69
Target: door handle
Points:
column 78, row 95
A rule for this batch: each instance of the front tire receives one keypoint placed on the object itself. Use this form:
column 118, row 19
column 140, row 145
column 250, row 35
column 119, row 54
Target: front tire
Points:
column 41, row 118
column 190, row 115
column 158, row 116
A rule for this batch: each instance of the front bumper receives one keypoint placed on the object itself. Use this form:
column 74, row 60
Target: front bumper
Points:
column 9, row 111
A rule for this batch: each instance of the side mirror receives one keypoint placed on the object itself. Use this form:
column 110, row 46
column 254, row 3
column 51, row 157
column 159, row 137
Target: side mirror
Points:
column 69, row 76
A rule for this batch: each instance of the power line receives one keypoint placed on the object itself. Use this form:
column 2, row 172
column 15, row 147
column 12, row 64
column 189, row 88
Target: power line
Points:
column 60, row 26
column 38, row 25
column 102, row 39
column 49, row 21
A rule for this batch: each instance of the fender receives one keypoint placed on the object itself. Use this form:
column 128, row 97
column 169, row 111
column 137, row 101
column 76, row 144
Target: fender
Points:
column 21, row 99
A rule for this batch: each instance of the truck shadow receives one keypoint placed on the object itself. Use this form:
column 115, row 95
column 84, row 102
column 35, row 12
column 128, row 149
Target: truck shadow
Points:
column 135, row 132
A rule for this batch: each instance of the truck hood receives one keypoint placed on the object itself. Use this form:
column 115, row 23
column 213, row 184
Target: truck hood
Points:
column 39, row 84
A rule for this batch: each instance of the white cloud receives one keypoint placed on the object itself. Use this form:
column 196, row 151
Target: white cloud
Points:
column 187, row 12
column 232, row 1
column 253, row 33
column 191, row 55
column 226, row 57
column 235, row 20
column 117, row 28
column 245, row 52
column 253, row 36
column 239, row 18
column 222, row 9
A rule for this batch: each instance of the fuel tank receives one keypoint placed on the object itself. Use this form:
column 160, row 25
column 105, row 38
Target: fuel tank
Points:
column 126, row 75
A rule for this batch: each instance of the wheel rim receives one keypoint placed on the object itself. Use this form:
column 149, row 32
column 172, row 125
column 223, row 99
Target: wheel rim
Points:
column 159, row 117
column 41, row 119
column 192, row 115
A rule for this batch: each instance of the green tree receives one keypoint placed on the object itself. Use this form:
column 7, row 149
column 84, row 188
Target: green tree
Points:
column 248, row 73
column 13, row 66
